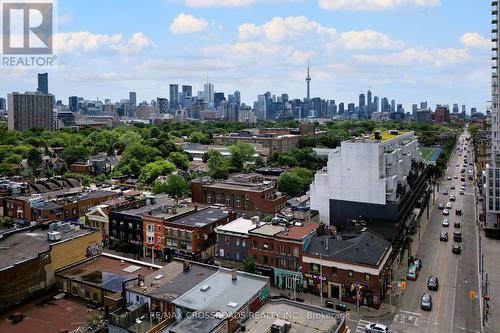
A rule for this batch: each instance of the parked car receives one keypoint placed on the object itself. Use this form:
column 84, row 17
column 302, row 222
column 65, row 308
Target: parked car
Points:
column 462, row 192
column 445, row 192
column 376, row 328
column 458, row 212
column 418, row 263
column 456, row 249
column 452, row 197
column 457, row 224
column 426, row 302
column 432, row 283
column 443, row 236
column 446, row 223
column 449, row 177
column 452, row 187
column 412, row 273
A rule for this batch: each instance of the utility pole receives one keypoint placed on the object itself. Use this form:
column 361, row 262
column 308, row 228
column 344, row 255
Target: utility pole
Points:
column 320, row 280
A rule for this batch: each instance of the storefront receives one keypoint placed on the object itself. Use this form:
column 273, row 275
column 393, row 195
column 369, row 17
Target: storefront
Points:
column 365, row 295
column 313, row 283
column 265, row 271
column 288, row 280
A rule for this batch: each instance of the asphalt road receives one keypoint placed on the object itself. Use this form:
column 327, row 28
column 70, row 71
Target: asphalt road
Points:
column 452, row 310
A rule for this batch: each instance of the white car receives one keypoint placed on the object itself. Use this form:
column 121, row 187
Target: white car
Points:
column 448, row 205
column 446, row 223
column 446, row 212
column 452, row 197
column 376, row 328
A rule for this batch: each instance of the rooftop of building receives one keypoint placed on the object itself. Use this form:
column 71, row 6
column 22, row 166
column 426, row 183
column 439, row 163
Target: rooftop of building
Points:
column 367, row 248
column 172, row 280
column 267, row 230
column 200, row 218
column 388, row 135
column 241, row 182
column 106, row 272
column 159, row 204
column 20, row 245
column 305, row 318
column 239, row 226
column 298, row 232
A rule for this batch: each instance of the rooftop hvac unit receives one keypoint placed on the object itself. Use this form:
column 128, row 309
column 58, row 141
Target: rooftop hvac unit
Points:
column 53, row 236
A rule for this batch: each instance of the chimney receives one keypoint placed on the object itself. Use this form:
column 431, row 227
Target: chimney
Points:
column 234, row 275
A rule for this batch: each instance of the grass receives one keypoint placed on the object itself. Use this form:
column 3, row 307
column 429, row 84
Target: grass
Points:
column 427, row 153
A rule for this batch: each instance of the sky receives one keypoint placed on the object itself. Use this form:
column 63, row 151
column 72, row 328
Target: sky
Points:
column 410, row 50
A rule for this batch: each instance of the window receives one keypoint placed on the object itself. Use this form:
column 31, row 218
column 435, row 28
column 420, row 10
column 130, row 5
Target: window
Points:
column 246, row 204
column 334, row 270
column 221, row 252
column 217, row 198
column 130, row 226
column 174, row 233
column 237, row 242
column 315, row 268
column 254, row 244
column 150, row 239
column 238, row 202
column 150, row 228
column 247, row 197
column 295, row 251
column 237, row 256
column 209, row 198
column 265, row 246
column 228, row 200
column 350, row 273
column 189, row 235
column 367, row 277
column 159, row 228
column 226, row 239
column 243, row 243
column 182, row 233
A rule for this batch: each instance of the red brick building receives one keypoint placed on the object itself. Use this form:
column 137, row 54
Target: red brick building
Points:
column 189, row 235
column 277, row 250
column 244, row 193
column 442, row 115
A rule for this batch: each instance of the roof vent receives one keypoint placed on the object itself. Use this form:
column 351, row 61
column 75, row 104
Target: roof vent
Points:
column 204, row 288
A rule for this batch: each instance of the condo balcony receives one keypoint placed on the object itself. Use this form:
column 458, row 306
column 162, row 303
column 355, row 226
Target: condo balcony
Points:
column 494, row 3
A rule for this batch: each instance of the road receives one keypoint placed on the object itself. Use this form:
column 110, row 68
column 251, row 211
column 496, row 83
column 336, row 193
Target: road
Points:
column 453, row 311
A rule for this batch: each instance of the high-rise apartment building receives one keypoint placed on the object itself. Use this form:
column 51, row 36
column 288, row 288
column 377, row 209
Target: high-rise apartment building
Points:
column 73, row 103
column 208, row 92
column 362, row 102
column 132, row 97
column 174, row 96
column 491, row 176
column 3, row 105
column 43, row 83
column 162, row 104
column 30, row 110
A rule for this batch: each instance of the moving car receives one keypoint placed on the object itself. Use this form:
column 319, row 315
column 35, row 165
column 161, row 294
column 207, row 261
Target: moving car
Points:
column 449, row 177
column 452, row 197
column 457, row 236
column 376, row 328
column 445, row 192
column 418, row 263
column 432, row 283
column 446, row 212
column 426, row 302
column 455, row 177
column 446, row 223
column 462, row 192
column 441, row 206
column 448, row 205
column 452, row 187
column 458, row 212
column 457, row 249
column 457, row 224
column 443, row 236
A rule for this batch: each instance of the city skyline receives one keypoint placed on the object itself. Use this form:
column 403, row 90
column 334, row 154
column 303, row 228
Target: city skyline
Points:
column 264, row 46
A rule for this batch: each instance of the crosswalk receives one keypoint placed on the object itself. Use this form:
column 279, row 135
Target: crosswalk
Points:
column 361, row 326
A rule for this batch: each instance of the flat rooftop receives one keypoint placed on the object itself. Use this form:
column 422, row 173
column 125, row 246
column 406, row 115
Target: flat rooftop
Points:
column 26, row 245
column 268, row 230
column 171, row 281
column 304, row 318
column 201, row 217
column 105, row 272
column 238, row 226
column 46, row 314
column 161, row 201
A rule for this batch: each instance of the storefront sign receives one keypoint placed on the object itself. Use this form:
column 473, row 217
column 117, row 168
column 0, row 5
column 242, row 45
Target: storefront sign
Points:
column 315, row 277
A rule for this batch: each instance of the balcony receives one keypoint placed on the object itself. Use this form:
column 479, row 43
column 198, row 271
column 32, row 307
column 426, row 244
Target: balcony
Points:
column 494, row 21
column 494, row 3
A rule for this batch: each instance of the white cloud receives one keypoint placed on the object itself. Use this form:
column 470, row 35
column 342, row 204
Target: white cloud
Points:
column 411, row 57
column 186, row 24
column 218, row 3
column 65, row 19
column 285, row 28
column 87, row 42
column 366, row 39
column 475, row 40
column 374, row 4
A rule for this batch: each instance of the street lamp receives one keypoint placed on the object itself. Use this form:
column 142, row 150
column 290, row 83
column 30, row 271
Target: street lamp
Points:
column 295, row 283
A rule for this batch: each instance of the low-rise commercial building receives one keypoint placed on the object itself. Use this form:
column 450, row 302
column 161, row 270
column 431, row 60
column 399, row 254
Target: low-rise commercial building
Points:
column 244, row 193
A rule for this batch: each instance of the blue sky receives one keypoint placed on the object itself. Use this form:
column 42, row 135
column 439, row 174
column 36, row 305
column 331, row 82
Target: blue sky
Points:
column 410, row 50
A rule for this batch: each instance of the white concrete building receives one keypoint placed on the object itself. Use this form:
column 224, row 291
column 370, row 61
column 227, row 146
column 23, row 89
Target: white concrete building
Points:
column 367, row 171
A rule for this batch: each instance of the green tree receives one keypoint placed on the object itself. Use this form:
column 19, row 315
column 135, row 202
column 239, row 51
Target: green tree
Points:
column 197, row 137
column 177, row 187
column 249, row 264
column 72, row 154
column 307, row 141
column 34, row 160
column 180, row 160
column 153, row 170
column 218, row 165
column 7, row 222
column 240, row 154
column 159, row 187
column 290, row 184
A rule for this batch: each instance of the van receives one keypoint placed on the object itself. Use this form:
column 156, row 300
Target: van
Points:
column 457, row 236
